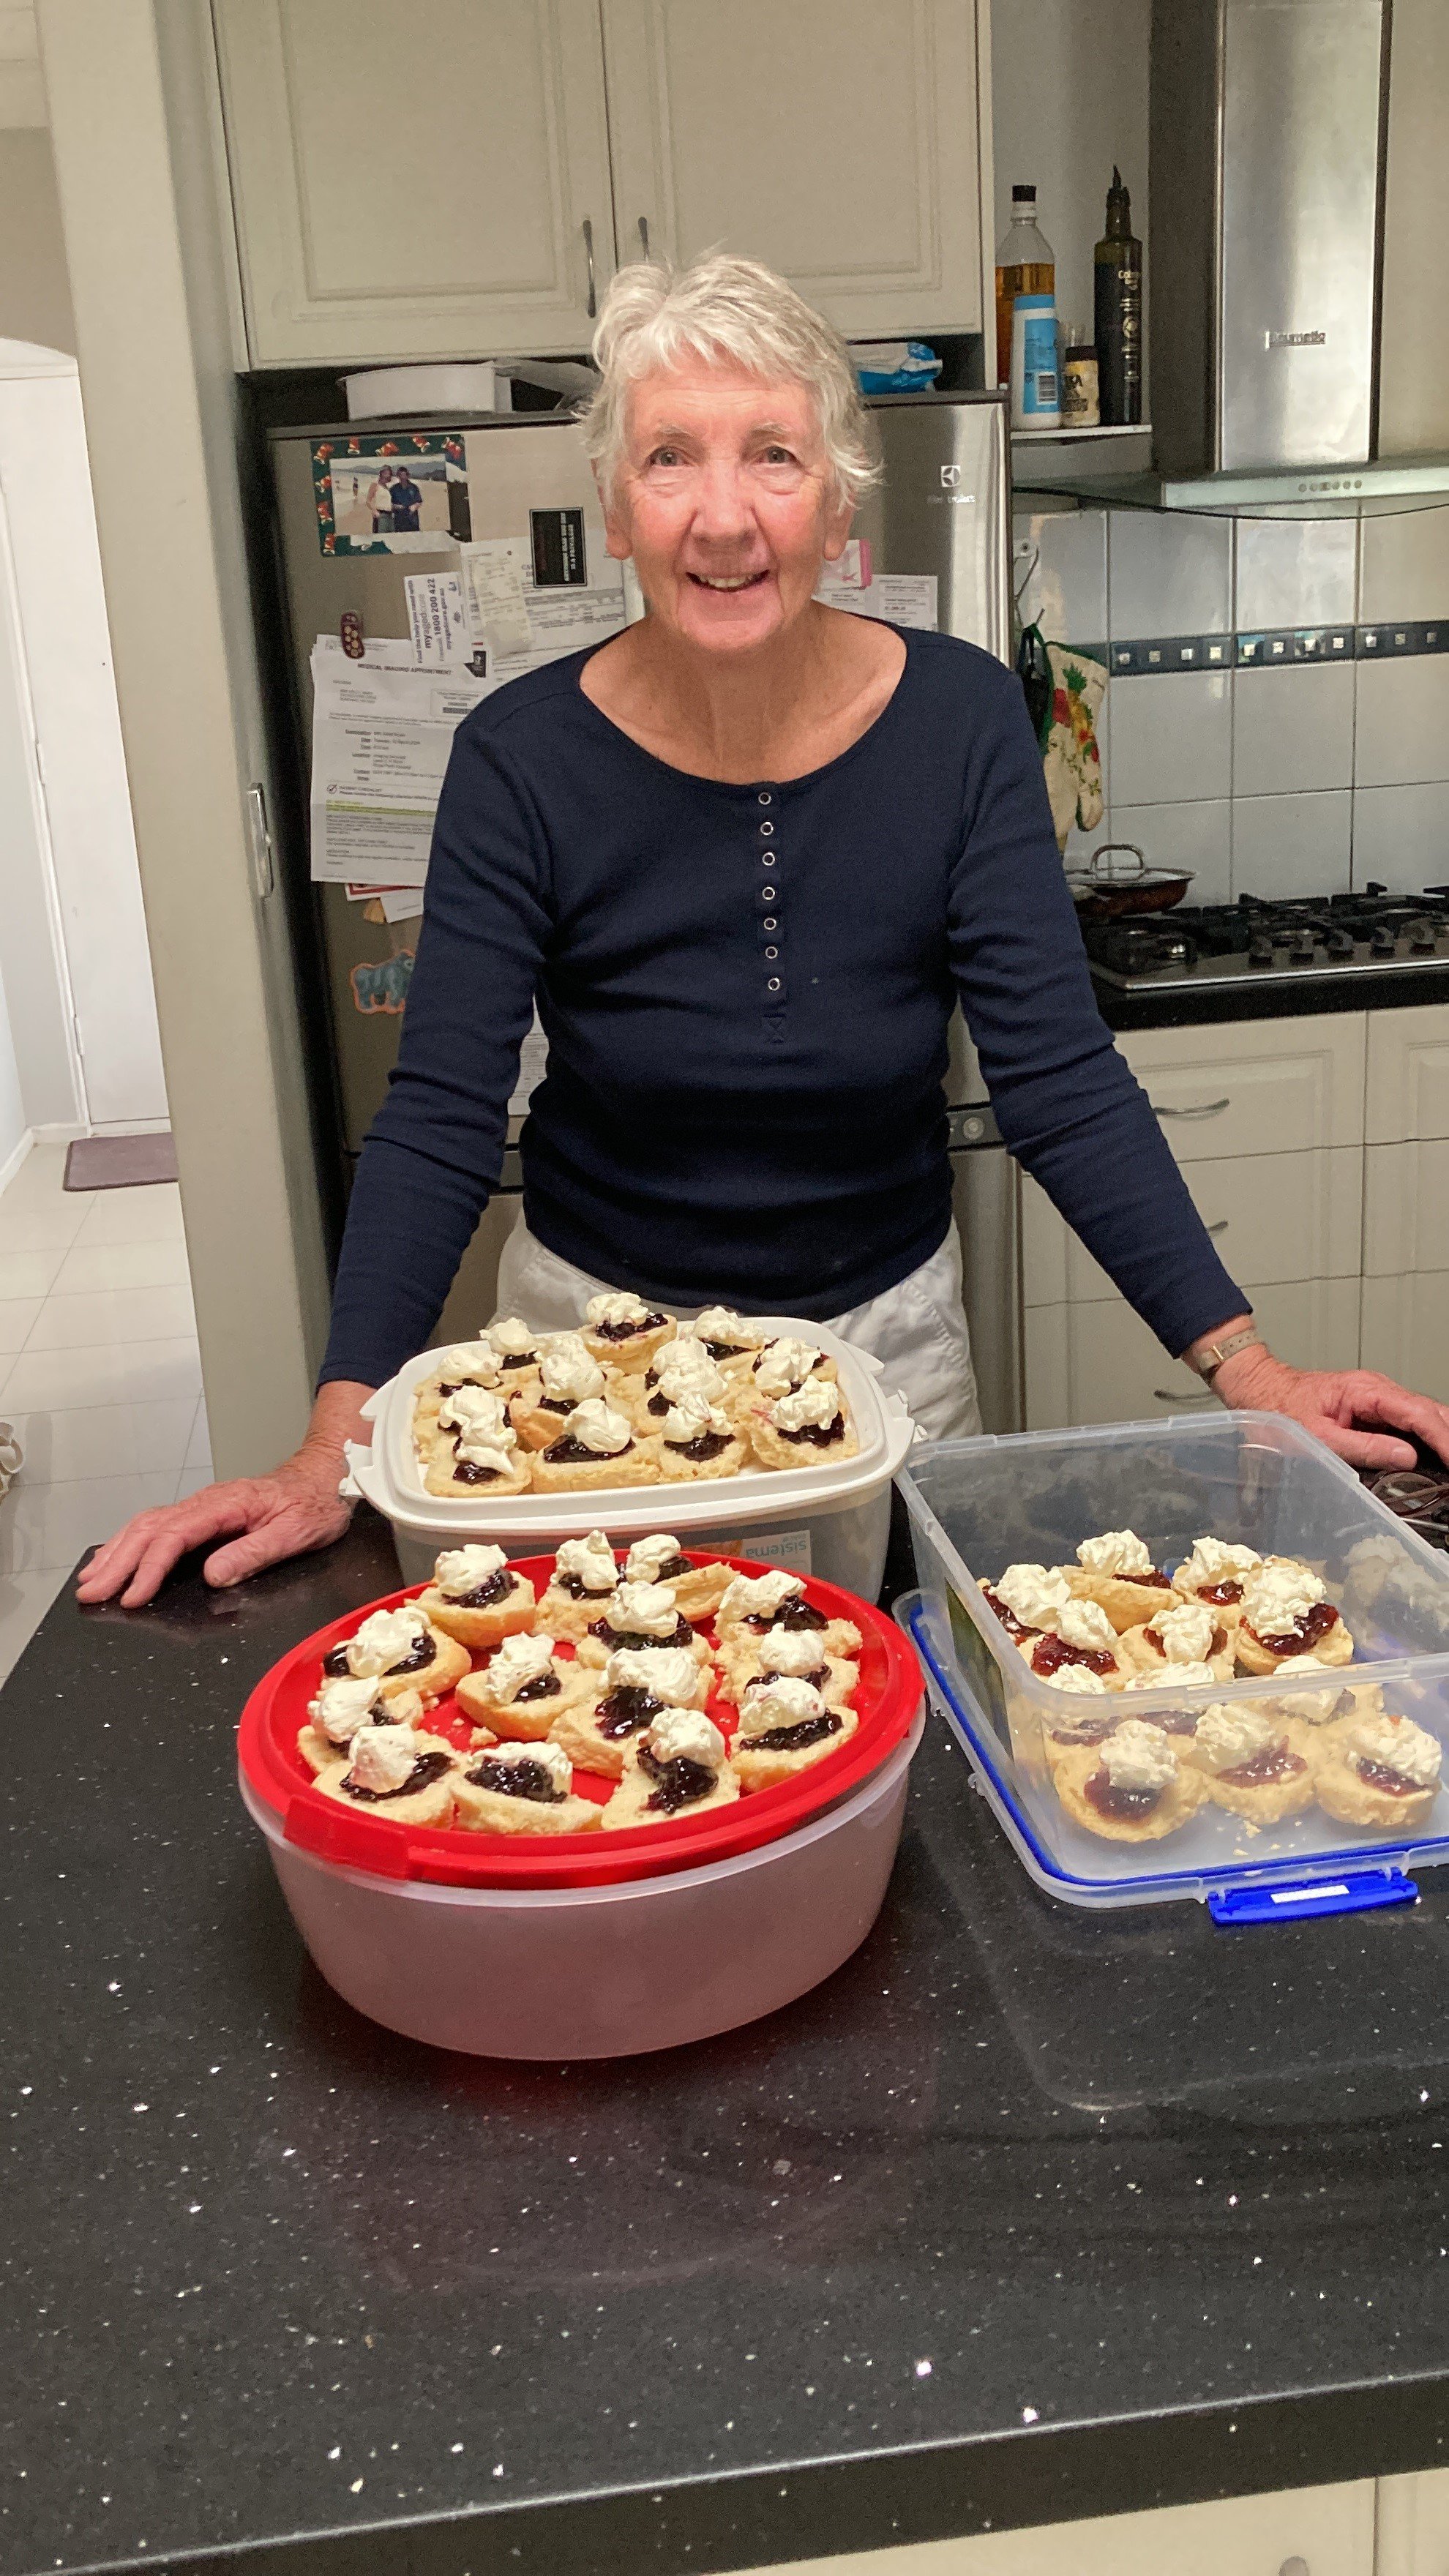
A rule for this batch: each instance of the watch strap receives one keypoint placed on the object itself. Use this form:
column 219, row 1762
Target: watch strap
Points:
column 1209, row 1361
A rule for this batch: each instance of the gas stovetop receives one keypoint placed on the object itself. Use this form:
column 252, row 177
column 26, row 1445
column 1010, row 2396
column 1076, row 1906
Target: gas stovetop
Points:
column 1265, row 944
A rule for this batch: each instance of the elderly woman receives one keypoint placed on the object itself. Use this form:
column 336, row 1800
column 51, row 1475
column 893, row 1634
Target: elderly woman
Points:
column 746, row 856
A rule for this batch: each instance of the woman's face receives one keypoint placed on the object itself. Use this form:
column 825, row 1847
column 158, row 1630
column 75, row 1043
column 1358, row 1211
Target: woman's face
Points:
column 725, row 502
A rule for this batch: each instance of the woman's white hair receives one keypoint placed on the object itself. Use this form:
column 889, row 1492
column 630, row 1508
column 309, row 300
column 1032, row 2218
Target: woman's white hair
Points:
column 723, row 307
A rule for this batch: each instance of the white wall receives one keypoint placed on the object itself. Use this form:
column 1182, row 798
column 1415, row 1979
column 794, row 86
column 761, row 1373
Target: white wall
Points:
column 14, row 1125
column 38, row 1005
column 1069, row 97
column 34, row 282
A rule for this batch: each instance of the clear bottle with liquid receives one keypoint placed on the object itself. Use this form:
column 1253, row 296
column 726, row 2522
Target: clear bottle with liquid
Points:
column 1025, row 265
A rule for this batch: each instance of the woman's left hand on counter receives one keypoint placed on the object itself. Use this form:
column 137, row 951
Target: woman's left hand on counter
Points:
column 1338, row 1406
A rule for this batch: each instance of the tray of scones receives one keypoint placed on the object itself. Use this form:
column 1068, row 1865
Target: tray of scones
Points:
column 1252, row 1671
column 587, row 1716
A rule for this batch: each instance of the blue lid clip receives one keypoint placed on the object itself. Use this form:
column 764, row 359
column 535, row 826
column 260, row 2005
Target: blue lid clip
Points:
column 1356, row 1891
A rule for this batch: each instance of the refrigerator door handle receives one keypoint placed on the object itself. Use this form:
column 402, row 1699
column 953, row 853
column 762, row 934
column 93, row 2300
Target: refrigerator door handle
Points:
column 593, row 304
column 259, row 836
column 644, row 235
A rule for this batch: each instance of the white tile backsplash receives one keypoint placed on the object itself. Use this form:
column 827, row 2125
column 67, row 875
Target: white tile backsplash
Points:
column 1293, row 729
column 1060, row 573
column 1401, row 734
column 1401, row 837
column 1285, row 845
column 1295, row 572
column 1171, row 738
column 1404, row 561
column 1168, row 575
column 1196, row 836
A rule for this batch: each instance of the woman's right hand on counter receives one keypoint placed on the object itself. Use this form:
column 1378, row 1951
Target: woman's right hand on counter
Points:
column 262, row 1518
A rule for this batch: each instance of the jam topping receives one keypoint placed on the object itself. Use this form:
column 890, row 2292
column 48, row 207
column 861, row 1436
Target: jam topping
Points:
column 1084, row 1730
column 725, row 1350
column 497, row 1588
column 677, row 1784
column 570, row 1452
column 797, row 1612
column 1277, row 1763
column 817, row 1679
column 1154, row 1576
column 575, row 1586
column 518, row 1360
column 659, row 1405
column 625, row 1332
column 559, row 1404
column 424, row 1652
column 816, row 1435
column 1179, row 1722
column 1155, row 1642
column 1304, row 1634
column 710, row 1444
column 1052, row 1652
column 674, row 1571
column 542, row 1686
column 1127, row 1806
column 626, row 1709
column 464, row 1472
column 1223, row 1594
column 1377, row 1775
column 428, row 1767
column 792, row 1739
column 516, row 1780
column 1008, row 1618
column 681, row 1634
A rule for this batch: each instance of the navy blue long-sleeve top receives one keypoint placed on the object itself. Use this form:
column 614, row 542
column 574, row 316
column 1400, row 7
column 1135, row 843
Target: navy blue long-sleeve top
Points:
column 746, row 992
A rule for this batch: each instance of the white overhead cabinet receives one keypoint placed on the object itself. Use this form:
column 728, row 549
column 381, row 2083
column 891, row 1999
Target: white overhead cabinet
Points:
column 461, row 180
column 416, row 182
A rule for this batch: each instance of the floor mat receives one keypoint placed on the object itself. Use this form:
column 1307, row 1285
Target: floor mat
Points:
column 119, row 1162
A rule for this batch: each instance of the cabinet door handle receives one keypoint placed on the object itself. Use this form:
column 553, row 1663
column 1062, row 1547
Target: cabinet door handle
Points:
column 1221, row 1227
column 1177, row 1395
column 644, row 234
column 593, row 303
column 1201, row 1109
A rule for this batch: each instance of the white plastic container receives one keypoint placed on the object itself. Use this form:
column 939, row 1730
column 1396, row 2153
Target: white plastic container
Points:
column 381, row 393
column 604, row 1971
column 830, row 1520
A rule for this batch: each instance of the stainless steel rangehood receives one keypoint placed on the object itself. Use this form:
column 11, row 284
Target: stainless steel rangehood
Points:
column 1265, row 227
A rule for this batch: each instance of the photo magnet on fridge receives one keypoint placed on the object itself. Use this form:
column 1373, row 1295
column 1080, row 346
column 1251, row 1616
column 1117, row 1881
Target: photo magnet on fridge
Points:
column 406, row 494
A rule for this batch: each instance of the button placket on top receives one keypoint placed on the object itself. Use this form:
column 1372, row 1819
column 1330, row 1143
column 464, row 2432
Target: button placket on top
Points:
column 770, row 907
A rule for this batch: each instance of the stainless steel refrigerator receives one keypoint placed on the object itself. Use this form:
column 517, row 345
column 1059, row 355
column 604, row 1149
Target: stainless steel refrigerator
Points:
column 942, row 517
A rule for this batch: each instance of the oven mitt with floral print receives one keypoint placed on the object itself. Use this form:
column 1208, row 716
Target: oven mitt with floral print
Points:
column 1071, row 760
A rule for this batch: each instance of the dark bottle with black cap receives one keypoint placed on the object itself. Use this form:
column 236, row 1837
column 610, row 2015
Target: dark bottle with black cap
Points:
column 1118, row 312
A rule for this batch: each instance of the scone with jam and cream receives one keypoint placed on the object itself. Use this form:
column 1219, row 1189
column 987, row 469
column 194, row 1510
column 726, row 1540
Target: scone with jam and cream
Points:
column 344, row 1703
column 678, row 1370
column 516, row 1345
column 623, row 1700
column 626, row 1329
column 475, row 1453
column 1134, row 1787
column 1183, row 1632
column 476, row 1597
column 644, row 1616
column 696, row 1438
column 597, row 1447
column 566, row 1377
column 1082, row 1638
column 1089, row 1713
column 677, row 1767
column 1286, row 1612
column 730, row 1340
column 585, row 1572
column 522, row 1688
column 785, row 1654
column 396, row 1771
column 1214, row 1574
column 785, row 1725
column 1257, row 1763
column 472, row 1364
column 802, row 1429
column 698, row 1589
column 402, row 1651
column 752, row 1603
column 1380, row 1772
column 1117, row 1571
column 521, row 1789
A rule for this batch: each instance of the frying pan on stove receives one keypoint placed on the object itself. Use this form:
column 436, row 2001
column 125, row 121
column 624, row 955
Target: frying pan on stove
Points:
column 1118, row 880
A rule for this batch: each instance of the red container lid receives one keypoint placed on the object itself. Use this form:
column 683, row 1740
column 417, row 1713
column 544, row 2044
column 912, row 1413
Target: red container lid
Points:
column 886, row 1701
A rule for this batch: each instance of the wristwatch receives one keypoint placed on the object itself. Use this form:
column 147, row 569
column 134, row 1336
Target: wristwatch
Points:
column 1209, row 1361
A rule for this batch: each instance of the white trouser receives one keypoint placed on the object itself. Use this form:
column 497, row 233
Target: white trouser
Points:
column 916, row 1330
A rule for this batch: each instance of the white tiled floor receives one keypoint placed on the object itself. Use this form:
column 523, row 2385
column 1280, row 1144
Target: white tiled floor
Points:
column 99, row 1372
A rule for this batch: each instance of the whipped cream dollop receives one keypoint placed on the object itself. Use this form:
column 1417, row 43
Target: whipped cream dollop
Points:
column 387, row 1638
column 1227, row 1737
column 1400, row 1746
column 644, row 1610
column 685, row 1368
column 511, row 1338
column 568, row 1372
column 1186, row 1631
column 518, row 1660
column 1190, row 1676
column 670, row 1672
column 1276, row 1597
column 755, row 1596
column 597, row 1427
column 552, row 1757
column 475, row 1362
column 1033, row 1594
column 382, row 1757
column 1085, row 1624
column 1315, row 1707
column 1115, row 1552
column 786, row 1702
column 692, row 1417
column 466, row 1569
column 589, row 1561
column 785, row 1364
column 648, row 1556
column 343, row 1705
column 1216, row 1560
column 722, row 1324
column 812, row 1407
column 791, row 1650
column 618, row 1306
column 485, row 1434
column 685, row 1735
column 1079, row 1678
column 1138, row 1756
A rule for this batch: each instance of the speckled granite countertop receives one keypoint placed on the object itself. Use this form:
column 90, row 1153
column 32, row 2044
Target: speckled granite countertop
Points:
column 1022, row 2216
